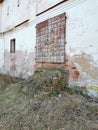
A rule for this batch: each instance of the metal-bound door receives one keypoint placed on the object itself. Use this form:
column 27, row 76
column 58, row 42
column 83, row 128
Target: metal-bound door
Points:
column 50, row 40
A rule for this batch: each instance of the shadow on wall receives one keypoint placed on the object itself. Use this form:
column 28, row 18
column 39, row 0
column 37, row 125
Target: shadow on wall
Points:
column 19, row 64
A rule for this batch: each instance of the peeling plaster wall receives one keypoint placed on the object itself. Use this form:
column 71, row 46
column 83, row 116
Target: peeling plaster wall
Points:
column 21, row 63
column 81, row 37
column 0, row 16
column 1, row 54
column 82, row 47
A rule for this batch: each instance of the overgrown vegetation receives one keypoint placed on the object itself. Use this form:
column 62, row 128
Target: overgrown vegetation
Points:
column 52, row 81
column 5, row 80
column 44, row 102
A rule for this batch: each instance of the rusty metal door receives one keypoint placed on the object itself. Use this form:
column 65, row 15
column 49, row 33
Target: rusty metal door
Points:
column 50, row 40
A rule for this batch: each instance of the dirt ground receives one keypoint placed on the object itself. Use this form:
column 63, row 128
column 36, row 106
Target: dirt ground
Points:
column 43, row 102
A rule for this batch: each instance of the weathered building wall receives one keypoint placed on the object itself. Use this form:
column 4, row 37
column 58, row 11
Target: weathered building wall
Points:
column 81, row 47
column 1, row 45
column 43, row 5
column 16, row 25
column 0, row 16
column 1, row 54
column 20, row 63
column 14, row 13
column 81, row 37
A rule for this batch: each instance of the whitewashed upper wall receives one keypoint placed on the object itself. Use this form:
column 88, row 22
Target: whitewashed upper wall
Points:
column 1, row 53
column 0, row 17
column 82, row 29
column 12, row 15
column 43, row 5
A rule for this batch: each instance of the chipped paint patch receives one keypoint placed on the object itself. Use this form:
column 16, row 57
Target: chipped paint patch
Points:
column 86, row 64
column 93, row 88
column 19, row 64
